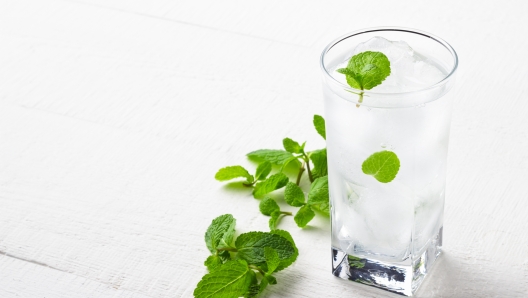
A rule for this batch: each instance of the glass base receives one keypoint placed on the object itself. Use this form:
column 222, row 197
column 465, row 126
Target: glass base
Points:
column 402, row 278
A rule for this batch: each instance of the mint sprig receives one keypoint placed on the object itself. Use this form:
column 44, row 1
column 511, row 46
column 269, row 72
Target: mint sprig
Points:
column 234, row 269
column 264, row 182
column 366, row 70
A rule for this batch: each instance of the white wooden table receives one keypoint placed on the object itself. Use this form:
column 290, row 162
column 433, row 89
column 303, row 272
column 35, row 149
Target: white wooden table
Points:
column 116, row 114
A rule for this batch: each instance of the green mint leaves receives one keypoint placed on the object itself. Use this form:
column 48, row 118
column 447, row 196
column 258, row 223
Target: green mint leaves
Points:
column 319, row 124
column 366, row 70
column 265, row 181
column 383, row 165
column 255, row 253
column 233, row 172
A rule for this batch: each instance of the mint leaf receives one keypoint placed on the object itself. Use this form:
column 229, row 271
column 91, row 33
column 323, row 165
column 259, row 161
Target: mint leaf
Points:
column 220, row 232
column 291, row 146
column 233, row 172
column 272, row 259
column 263, row 170
column 268, row 205
column 212, row 262
column 319, row 124
column 251, row 245
column 383, row 165
column 286, row 262
column 271, row 279
column 318, row 197
column 273, row 182
column 320, row 163
column 232, row 279
column 293, row 195
column 277, row 157
column 366, row 70
column 274, row 220
column 304, row 216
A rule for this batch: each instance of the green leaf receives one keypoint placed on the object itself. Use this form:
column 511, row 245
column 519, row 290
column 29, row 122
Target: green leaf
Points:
column 274, row 220
column 356, row 262
column 271, row 279
column 320, row 163
column 213, row 262
column 277, row 157
column 319, row 124
column 366, row 70
column 232, row 279
column 272, row 259
column 251, row 245
column 268, row 205
column 383, row 165
column 291, row 146
column 286, row 262
column 273, row 182
column 263, row 170
column 293, row 195
column 233, row 172
column 304, row 216
column 220, row 232
column 318, row 197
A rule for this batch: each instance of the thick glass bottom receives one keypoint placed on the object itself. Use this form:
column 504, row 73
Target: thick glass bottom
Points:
column 402, row 278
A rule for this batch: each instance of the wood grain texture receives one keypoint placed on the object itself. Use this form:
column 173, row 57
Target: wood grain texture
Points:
column 115, row 115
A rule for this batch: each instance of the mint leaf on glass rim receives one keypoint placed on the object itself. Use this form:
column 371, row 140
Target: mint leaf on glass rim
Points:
column 366, row 70
column 383, row 166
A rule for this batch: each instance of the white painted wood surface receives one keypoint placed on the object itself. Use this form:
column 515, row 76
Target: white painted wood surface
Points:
column 115, row 115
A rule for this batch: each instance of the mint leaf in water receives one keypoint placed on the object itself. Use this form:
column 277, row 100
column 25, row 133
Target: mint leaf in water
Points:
column 319, row 124
column 304, row 216
column 233, row 172
column 318, row 197
column 383, row 165
column 251, row 246
column 291, row 146
column 263, row 170
column 220, row 233
column 232, row 279
column 273, row 182
column 277, row 157
column 268, row 205
column 293, row 195
column 366, row 70
column 320, row 164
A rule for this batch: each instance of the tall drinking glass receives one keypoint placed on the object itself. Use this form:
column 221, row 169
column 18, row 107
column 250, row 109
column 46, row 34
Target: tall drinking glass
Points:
column 388, row 234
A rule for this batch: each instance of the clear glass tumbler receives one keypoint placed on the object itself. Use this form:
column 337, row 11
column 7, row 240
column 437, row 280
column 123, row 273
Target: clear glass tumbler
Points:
column 387, row 235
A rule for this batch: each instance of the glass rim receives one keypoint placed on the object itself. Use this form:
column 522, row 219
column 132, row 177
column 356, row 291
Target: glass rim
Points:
column 389, row 28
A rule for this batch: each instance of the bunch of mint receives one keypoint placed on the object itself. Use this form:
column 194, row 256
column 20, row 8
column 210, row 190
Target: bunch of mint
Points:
column 313, row 162
column 243, row 267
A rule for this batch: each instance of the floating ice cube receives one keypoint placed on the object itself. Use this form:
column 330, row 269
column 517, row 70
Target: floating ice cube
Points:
column 410, row 71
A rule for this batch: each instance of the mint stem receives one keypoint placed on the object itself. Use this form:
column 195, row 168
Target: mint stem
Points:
column 301, row 171
column 286, row 213
column 360, row 99
column 308, row 169
column 258, row 269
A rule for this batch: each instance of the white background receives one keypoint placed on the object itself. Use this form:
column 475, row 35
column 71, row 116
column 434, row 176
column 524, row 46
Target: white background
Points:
column 115, row 116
